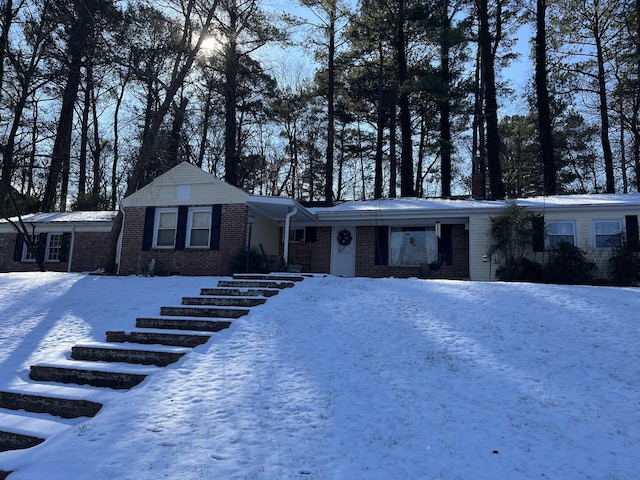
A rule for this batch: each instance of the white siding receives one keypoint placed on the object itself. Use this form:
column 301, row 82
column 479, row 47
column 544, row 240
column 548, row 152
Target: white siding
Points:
column 196, row 187
column 480, row 270
column 583, row 216
column 265, row 232
column 584, row 230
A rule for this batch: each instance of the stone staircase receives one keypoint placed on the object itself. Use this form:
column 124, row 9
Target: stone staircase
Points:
column 127, row 358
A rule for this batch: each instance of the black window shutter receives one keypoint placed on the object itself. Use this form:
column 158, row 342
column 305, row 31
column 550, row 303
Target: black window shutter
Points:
column 216, row 224
column 42, row 246
column 445, row 244
column 311, row 234
column 537, row 225
column 633, row 238
column 17, row 253
column 381, row 248
column 64, row 247
column 181, row 229
column 149, row 220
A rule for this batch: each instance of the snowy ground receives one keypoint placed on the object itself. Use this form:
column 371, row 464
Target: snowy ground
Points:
column 339, row 379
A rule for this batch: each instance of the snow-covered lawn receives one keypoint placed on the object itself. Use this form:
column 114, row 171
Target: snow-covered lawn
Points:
column 339, row 379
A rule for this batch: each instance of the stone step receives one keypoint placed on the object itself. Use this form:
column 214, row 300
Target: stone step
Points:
column 182, row 324
column 60, row 407
column 126, row 355
column 95, row 378
column 255, row 284
column 211, row 312
column 154, row 338
column 239, row 292
column 268, row 276
column 224, row 301
column 17, row 441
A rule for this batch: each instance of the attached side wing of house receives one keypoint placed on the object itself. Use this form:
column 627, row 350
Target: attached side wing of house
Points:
column 189, row 222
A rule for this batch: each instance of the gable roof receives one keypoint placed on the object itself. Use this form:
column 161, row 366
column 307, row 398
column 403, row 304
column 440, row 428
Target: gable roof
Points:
column 185, row 184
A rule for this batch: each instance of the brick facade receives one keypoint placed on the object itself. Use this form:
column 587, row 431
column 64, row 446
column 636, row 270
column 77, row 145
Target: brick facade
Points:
column 365, row 261
column 316, row 256
column 89, row 253
column 194, row 261
column 312, row 256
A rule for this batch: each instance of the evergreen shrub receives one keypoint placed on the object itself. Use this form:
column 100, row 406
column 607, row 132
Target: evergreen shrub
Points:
column 568, row 265
column 258, row 262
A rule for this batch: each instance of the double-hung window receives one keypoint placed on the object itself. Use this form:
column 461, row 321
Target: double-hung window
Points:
column 559, row 231
column 49, row 245
column 27, row 254
column 54, row 247
column 199, row 227
column 166, row 223
column 606, row 233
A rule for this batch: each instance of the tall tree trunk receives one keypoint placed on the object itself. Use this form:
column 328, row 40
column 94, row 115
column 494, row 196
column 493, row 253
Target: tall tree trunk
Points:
column 84, row 136
column 623, row 154
column 635, row 133
column 116, row 149
column 206, row 122
column 545, row 128
column 406, row 154
column 479, row 169
column 97, row 148
column 604, row 116
column 443, row 103
column 496, row 183
column 231, row 159
column 60, row 156
column 393, row 160
column 331, row 72
column 7, row 19
column 34, row 148
column 380, row 122
column 421, row 145
column 341, row 160
column 176, row 129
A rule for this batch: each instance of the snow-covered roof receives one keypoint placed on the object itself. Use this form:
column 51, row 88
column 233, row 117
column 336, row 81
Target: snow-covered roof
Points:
column 67, row 217
column 417, row 206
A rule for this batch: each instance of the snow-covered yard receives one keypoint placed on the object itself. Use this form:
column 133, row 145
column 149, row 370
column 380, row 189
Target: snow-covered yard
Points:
column 339, row 379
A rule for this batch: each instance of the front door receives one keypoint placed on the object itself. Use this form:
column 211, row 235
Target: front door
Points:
column 343, row 251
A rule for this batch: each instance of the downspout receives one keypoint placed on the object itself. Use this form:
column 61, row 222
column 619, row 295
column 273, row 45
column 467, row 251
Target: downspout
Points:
column 119, row 244
column 287, row 224
column 73, row 241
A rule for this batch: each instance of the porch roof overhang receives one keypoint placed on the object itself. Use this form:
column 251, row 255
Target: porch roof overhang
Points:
column 277, row 209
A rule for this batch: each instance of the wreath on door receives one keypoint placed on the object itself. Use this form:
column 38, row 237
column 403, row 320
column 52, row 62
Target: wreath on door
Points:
column 344, row 237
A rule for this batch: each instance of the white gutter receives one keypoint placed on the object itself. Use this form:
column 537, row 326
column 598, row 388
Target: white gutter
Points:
column 287, row 224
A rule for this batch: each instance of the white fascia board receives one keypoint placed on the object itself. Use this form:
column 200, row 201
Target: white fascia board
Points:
column 263, row 203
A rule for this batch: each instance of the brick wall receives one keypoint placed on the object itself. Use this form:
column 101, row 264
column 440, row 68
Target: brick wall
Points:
column 365, row 264
column 314, row 257
column 188, row 261
column 90, row 253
